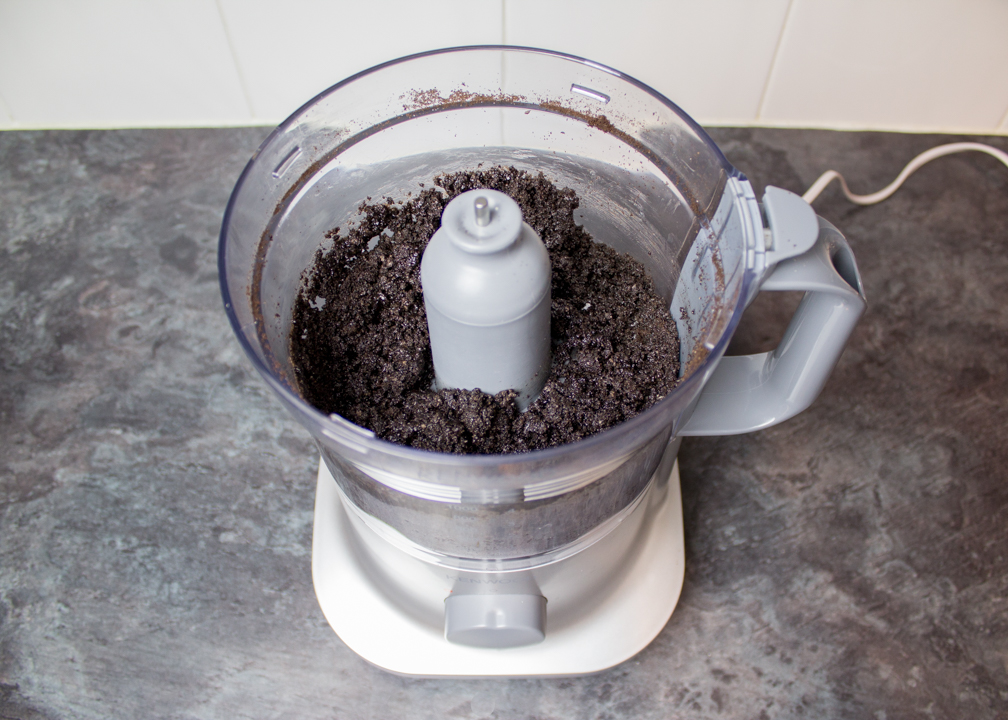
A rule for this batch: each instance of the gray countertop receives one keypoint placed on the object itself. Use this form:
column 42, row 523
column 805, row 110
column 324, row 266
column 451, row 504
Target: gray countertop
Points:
column 156, row 501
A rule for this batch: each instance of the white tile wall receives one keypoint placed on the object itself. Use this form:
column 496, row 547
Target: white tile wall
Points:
column 100, row 63
column 6, row 121
column 289, row 52
column 882, row 64
column 901, row 64
column 711, row 58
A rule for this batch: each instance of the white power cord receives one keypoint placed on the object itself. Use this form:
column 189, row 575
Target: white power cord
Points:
column 925, row 157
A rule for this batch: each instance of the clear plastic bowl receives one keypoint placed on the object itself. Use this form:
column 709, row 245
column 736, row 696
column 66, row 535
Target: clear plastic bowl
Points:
column 651, row 183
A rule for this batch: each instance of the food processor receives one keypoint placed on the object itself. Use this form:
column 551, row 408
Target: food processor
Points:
column 560, row 561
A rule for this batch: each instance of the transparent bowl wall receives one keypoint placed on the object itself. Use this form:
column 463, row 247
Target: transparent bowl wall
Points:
column 650, row 183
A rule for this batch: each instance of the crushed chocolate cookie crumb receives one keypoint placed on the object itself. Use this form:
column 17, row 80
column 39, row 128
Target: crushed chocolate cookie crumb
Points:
column 360, row 348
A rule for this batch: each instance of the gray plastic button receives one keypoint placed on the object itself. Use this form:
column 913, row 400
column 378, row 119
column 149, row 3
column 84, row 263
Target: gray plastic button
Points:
column 495, row 621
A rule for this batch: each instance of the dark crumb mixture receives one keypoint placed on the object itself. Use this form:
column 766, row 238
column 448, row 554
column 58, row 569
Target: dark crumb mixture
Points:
column 360, row 348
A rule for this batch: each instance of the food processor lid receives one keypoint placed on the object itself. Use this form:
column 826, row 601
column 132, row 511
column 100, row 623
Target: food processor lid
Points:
column 338, row 428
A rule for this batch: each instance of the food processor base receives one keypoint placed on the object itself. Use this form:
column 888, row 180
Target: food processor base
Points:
column 619, row 627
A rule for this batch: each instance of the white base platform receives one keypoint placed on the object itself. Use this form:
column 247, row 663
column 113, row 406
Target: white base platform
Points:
column 622, row 624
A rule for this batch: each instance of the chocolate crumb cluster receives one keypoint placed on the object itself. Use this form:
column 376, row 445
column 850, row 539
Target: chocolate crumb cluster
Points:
column 360, row 348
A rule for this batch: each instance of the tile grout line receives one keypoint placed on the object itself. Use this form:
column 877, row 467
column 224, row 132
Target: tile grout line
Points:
column 773, row 62
column 234, row 59
column 503, row 34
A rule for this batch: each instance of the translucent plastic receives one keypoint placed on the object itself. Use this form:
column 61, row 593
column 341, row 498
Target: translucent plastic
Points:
column 651, row 184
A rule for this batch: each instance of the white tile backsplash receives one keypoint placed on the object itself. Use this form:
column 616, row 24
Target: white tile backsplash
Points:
column 711, row 58
column 6, row 121
column 899, row 64
column 117, row 63
column 289, row 52
column 878, row 64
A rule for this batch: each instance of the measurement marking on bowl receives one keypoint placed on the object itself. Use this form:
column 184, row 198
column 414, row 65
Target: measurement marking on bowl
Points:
column 704, row 313
column 730, row 277
column 285, row 164
column 589, row 93
column 698, row 263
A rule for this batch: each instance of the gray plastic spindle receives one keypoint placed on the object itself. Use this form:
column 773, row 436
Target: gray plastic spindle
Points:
column 486, row 284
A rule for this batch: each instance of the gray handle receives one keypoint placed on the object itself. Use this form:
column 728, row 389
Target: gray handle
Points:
column 752, row 392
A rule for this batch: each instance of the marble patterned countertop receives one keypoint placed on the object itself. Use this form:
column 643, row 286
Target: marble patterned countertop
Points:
column 156, row 502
